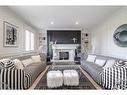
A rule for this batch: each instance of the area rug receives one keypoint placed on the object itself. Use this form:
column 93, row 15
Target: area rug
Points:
column 84, row 82
column 63, row 63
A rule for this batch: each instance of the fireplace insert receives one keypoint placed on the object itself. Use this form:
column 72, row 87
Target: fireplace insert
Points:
column 63, row 55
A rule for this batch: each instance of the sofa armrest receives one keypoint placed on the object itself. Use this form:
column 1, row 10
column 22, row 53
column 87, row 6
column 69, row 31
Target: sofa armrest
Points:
column 14, row 79
column 113, row 75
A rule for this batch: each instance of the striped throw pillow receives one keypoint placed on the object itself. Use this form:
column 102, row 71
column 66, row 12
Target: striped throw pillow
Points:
column 120, row 63
column 6, row 63
column 111, row 76
column 14, row 79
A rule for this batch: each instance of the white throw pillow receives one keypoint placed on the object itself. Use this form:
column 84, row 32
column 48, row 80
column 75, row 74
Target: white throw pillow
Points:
column 100, row 62
column 18, row 64
column 36, row 58
column 27, row 62
column 109, row 63
column 91, row 58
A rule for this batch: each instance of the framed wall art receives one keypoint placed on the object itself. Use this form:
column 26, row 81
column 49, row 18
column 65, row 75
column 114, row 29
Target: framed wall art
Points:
column 10, row 35
column 120, row 36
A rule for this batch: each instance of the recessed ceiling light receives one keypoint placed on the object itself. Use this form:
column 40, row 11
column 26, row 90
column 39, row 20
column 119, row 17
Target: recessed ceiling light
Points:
column 51, row 22
column 76, row 22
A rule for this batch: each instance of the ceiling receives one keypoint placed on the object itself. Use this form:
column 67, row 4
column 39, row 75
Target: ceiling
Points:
column 64, row 16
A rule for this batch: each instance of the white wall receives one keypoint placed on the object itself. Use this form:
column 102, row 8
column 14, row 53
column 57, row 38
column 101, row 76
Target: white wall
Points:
column 102, row 36
column 9, row 16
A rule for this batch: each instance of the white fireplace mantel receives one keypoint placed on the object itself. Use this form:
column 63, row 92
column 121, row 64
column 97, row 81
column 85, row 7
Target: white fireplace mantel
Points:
column 64, row 48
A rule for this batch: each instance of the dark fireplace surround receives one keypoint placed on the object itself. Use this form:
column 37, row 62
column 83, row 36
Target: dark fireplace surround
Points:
column 62, row 37
column 63, row 55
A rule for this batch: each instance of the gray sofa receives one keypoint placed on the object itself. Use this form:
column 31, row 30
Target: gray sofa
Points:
column 114, row 77
column 36, row 68
column 33, row 70
column 94, row 70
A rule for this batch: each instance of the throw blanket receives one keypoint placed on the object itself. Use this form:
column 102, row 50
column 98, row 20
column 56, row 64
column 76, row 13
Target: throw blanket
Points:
column 14, row 79
column 114, row 76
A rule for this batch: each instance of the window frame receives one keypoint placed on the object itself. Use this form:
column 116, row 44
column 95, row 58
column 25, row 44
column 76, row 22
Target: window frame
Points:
column 30, row 40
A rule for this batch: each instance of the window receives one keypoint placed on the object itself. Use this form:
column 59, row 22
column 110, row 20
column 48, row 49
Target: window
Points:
column 29, row 40
column 32, row 41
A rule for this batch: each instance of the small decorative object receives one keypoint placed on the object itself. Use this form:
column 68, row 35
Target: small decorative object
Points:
column 10, row 35
column 55, row 41
column 120, row 36
column 74, row 39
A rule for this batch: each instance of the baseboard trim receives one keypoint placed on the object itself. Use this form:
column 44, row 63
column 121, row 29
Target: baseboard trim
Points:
column 38, row 79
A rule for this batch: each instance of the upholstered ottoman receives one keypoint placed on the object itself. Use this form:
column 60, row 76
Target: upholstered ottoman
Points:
column 54, row 79
column 71, row 78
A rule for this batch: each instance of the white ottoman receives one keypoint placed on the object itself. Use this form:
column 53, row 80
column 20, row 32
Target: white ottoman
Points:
column 71, row 78
column 54, row 79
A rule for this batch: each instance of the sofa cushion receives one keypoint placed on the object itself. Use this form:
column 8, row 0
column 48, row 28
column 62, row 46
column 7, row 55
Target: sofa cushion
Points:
column 27, row 62
column 34, row 70
column 100, row 62
column 93, row 69
column 109, row 63
column 36, row 58
column 91, row 58
column 18, row 64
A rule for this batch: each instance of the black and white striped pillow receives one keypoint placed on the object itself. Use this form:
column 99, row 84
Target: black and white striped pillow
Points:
column 120, row 63
column 7, row 63
column 110, row 76
column 14, row 79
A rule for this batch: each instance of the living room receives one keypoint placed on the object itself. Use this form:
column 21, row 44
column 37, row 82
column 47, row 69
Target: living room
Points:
column 63, row 48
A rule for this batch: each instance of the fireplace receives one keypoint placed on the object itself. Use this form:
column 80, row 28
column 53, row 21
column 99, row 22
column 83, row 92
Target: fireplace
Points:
column 64, row 51
column 63, row 55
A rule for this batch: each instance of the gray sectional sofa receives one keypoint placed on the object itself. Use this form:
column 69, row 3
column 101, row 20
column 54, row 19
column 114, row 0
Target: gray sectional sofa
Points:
column 36, row 68
column 93, row 69
column 33, row 70
column 97, row 72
